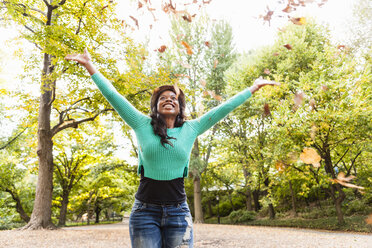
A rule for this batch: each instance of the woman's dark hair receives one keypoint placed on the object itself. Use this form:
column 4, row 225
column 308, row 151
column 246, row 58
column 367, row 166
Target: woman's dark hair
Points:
column 158, row 123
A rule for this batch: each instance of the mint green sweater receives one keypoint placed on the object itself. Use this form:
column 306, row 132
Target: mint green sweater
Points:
column 172, row 162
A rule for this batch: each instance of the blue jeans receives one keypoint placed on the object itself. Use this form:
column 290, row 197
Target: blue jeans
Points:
column 160, row 226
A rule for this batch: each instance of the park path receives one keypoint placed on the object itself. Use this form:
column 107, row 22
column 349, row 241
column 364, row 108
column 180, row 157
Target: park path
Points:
column 205, row 235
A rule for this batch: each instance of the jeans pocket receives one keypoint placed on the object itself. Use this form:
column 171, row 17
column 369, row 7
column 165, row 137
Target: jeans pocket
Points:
column 184, row 207
column 137, row 206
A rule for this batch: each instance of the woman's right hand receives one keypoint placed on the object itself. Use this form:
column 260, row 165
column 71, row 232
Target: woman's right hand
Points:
column 83, row 59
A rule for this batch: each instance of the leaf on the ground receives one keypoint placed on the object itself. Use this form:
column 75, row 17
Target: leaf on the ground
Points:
column 267, row 71
column 310, row 156
column 288, row 46
column 298, row 21
column 188, row 47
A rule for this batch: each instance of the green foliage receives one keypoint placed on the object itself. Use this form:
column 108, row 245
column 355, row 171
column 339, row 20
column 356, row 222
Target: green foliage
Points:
column 242, row 216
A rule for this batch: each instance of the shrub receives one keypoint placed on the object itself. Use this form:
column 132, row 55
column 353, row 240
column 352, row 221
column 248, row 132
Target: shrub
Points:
column 241, row 216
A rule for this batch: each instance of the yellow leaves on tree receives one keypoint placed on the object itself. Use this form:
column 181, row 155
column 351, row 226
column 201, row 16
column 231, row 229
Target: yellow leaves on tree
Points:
column 310, row 156
column 188, row 47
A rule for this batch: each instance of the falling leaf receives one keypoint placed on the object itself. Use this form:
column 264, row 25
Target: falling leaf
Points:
column 203, row 82
column 268, row 15
column 266, row 110
column 162, row 48
column 341, row 176
column 140, row 5
column 187, row 17
column 276, row 54
column 340, row 46
column 324, row 87
column 182, row 75
column 176, row 89
column 310, row 156
column 313, row 132
column 208, row 44
column 282, row 29
column 188, row 47
column 267, row 71
column 369, row 219
column 185, row 65
column 312, row 104
column 214, row 95
column 298, row 99
column 215, row 63
column 135, row 20
column 280, row 166
column 288, row 46
column 288, row 9
column 298, row 21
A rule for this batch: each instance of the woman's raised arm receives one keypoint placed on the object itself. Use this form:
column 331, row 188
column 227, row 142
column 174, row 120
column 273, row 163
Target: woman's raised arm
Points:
column 127, row 111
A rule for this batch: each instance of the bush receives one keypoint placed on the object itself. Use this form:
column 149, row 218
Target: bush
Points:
column 241, row 216
column 357, row 207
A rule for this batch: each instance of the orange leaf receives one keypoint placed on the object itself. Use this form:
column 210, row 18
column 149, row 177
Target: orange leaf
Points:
column 324, row 87
column 215, row 63
column 187, row 17
column 288, row 9
column 208, row 44
column 299, row 20
column 310, row 156
column 289, row 47
column 275, row 54
column 369, row 219
column 188, row 47
column 162, row 48
column 140, row 5
column 280, row 166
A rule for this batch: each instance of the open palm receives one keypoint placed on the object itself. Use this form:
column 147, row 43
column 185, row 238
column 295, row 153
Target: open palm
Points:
column 82, row 59
column 260, row 82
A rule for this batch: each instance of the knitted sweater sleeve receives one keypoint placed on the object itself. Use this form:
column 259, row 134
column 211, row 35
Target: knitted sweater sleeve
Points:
column 216, row 114
column 127, row 111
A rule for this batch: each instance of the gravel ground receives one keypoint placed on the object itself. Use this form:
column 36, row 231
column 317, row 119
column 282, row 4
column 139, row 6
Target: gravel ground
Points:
column 205, row 235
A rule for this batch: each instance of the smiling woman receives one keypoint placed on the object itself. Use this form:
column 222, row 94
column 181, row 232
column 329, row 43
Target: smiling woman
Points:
column 160, row 215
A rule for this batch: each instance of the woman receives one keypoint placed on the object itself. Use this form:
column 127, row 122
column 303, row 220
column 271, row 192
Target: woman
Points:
column 160, row 215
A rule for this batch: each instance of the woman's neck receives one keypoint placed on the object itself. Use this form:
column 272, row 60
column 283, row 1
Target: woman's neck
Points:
column 169, row 121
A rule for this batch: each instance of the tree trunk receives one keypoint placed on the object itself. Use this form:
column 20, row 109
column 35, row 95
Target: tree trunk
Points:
column 294, row 208
column 271, row 211
column 248, row 199
column 256, row 196
column 98, row 211
column 198, row 218
column 42, row 211
column 19, row 207
column 63, row 209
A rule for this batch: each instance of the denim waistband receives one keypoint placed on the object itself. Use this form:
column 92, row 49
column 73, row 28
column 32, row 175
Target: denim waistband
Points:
column 176, row 204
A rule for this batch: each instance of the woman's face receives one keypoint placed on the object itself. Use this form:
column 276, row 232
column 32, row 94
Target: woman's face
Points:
column 168, row 104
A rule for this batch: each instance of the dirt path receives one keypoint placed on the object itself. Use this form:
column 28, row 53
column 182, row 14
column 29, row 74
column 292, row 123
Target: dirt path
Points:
column 206, row 235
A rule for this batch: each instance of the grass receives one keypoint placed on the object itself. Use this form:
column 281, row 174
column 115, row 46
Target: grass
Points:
column 91, row 223
column 352, row 223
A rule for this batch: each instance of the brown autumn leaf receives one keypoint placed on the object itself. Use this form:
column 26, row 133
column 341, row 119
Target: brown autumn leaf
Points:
column 280, row 166
column 288, row 9
column 135, row 21
column 188, row 47
column 187, row 17
column 268, row 15
column 312, row 104
column 288, row 46
column 276, row 54
column 162, row 48
column 267, row 71
column 182, row 75
column 324, row 87
column 140, row 4
column 215, row 63
column 203, row 82
column 369, row 219
column 299, row 98
column 266, row 110
column 185, row 65
column 213, row 94
column 310, row 156
column 298, row 20
column 208, row 44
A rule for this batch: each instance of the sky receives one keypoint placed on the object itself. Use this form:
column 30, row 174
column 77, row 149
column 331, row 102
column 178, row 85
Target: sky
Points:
column 249, row 31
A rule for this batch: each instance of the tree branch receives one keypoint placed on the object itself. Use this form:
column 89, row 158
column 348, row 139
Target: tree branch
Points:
column 12, row 140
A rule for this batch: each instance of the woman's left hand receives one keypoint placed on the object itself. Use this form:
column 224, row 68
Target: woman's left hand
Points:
column 260, row 82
